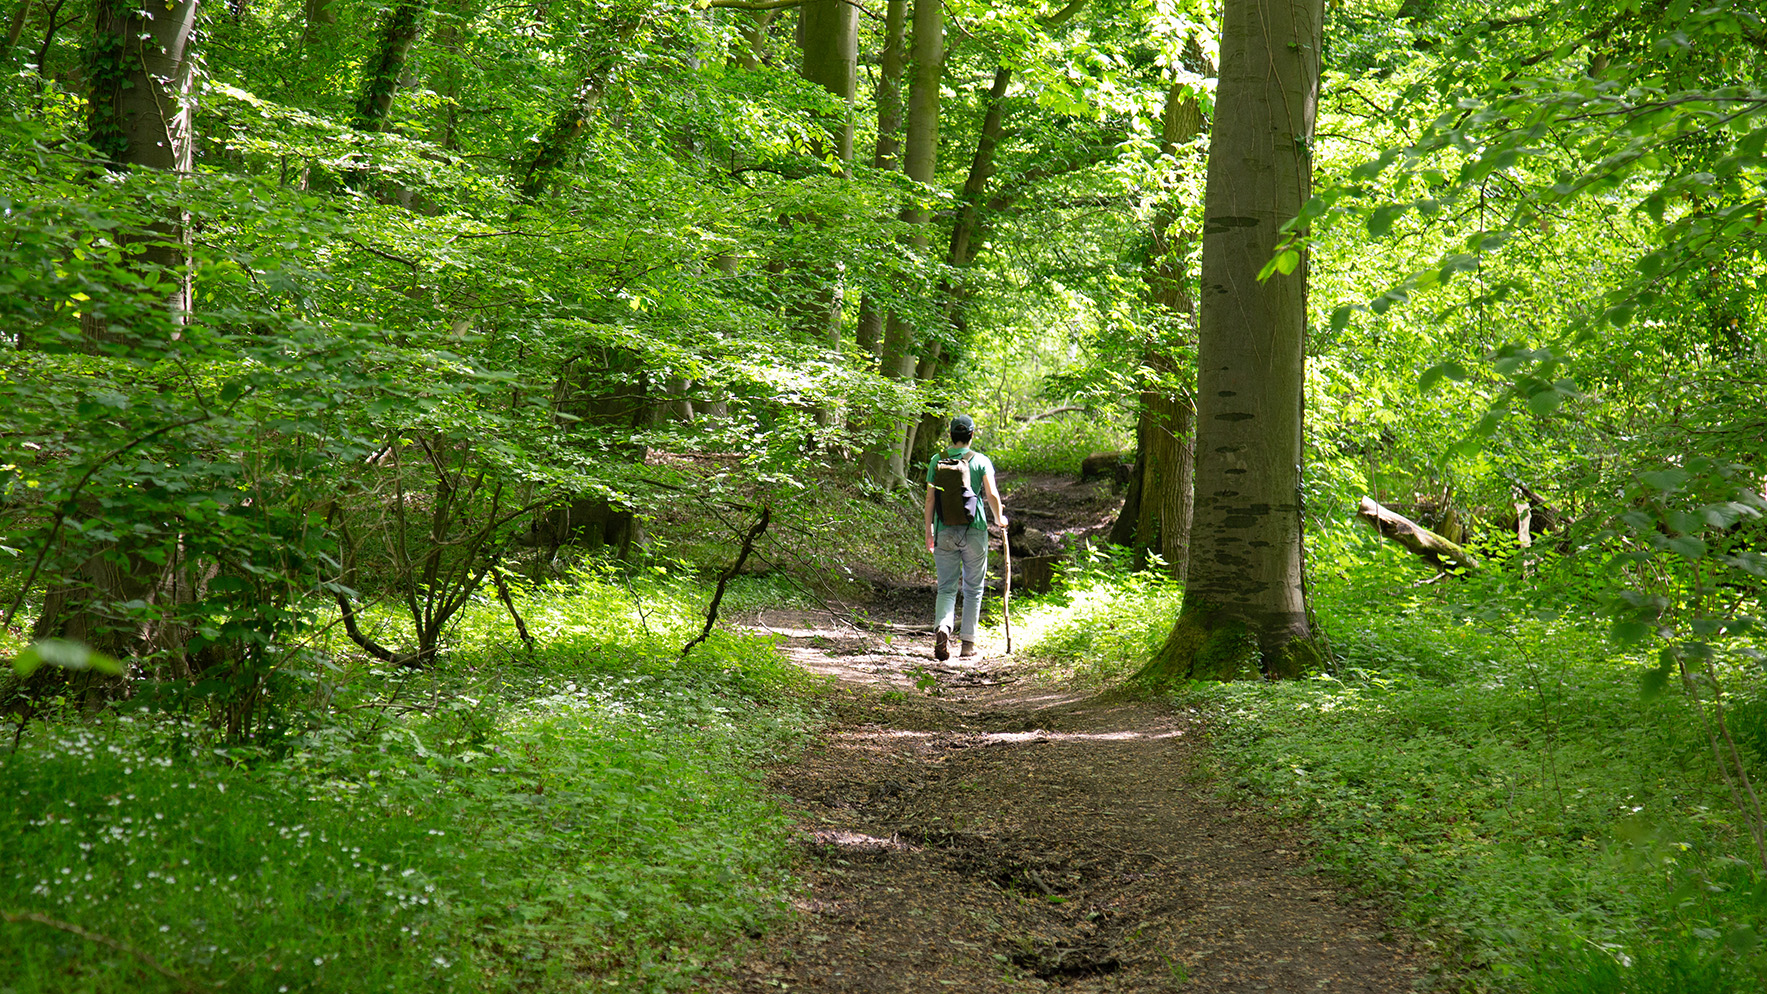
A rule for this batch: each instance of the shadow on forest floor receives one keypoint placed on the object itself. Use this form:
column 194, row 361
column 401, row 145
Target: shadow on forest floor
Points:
column 1008, row 835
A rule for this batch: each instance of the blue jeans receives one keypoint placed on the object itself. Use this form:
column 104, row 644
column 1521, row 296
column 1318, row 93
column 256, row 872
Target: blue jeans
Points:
column 961, row 555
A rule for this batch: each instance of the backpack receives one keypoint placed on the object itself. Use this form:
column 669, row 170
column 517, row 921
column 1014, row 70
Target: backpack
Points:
column 958, row 504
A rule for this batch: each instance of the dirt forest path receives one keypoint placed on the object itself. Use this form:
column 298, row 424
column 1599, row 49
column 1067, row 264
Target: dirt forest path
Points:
column 1005, row 835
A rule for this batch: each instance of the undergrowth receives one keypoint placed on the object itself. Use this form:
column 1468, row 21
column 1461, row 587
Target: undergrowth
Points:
column 1053, row 445
column 585, row 817
column 1100, row 622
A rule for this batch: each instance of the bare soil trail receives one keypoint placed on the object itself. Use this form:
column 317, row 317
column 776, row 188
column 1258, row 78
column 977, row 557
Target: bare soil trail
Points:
column 1008, row 835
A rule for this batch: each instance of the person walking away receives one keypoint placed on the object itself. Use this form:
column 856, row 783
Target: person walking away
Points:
column 960, row 491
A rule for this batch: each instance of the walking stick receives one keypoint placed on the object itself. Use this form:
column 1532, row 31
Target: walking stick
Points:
column 1006, row 589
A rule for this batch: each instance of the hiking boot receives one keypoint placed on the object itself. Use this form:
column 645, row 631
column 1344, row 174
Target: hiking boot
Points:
column 942, row 645
column 969, row 649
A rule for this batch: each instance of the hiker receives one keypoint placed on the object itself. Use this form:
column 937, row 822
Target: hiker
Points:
column 958, row 481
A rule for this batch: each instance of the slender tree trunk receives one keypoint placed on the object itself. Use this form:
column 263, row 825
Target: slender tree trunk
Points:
column 753, row 53
column 1244, row 603
column 966, row 231
column 15, row 28
column 1167, row 434
column 572, row 119
column 921, row 155
column 828, row 47
column 561, row 136
column 386, row 66
column 887, row 463
column 1165, row 431
column 870, row 329
column 450, row 38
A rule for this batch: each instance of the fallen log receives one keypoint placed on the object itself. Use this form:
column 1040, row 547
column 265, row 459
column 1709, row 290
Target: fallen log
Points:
column 1416, row 539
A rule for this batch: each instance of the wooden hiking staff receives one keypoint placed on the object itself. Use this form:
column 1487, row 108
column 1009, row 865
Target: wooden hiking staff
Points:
column 1006, row 588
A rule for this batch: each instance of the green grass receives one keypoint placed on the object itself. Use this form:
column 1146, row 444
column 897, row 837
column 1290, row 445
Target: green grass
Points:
column 587, row 819
column 1099, row 624
column 1511, row 788
column 1496, row 776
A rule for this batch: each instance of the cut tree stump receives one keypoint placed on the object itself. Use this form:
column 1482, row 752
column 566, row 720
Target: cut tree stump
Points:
column 1034, row 574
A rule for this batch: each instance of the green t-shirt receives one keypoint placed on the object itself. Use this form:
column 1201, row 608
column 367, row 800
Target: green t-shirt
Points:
column 979, row 468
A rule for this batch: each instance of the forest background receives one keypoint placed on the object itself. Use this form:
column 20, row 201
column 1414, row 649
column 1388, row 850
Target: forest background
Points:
column 331, row 324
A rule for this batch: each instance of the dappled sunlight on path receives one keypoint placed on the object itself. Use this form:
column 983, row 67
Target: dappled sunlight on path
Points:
column 1009, row 834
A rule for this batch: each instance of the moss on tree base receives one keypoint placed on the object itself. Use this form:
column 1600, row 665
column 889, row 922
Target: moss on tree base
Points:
column 1209, row 644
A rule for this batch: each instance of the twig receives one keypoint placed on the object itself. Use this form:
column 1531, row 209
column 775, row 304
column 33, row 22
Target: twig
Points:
column 521, row 627
column 14, row 917
column 748, row 545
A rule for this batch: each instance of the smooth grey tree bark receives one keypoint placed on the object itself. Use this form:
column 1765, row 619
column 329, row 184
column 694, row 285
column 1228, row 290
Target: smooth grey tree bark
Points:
column 887, row 153
column 828, row 55
column 886, row 463
column 139, row 111
column 1245, row 604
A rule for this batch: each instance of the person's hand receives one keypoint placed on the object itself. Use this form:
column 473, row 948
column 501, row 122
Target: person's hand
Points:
column 929, row 542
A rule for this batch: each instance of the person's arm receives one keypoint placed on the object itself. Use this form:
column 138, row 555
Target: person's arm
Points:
column 931, row 499
column 991, row 494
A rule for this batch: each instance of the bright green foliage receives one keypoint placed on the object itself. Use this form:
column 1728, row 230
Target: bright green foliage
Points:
column 1100, row 625
column 589, row 815
column 1054, row 445
column 1535, row 260
column 404, row 339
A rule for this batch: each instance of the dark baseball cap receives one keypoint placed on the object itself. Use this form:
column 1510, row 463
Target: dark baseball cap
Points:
column 963, row 424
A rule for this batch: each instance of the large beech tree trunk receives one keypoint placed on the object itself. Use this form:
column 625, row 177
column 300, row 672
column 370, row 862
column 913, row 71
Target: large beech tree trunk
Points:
column 139, row 113
column 886, row 463
column 139, row 106
column 1244, row 602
